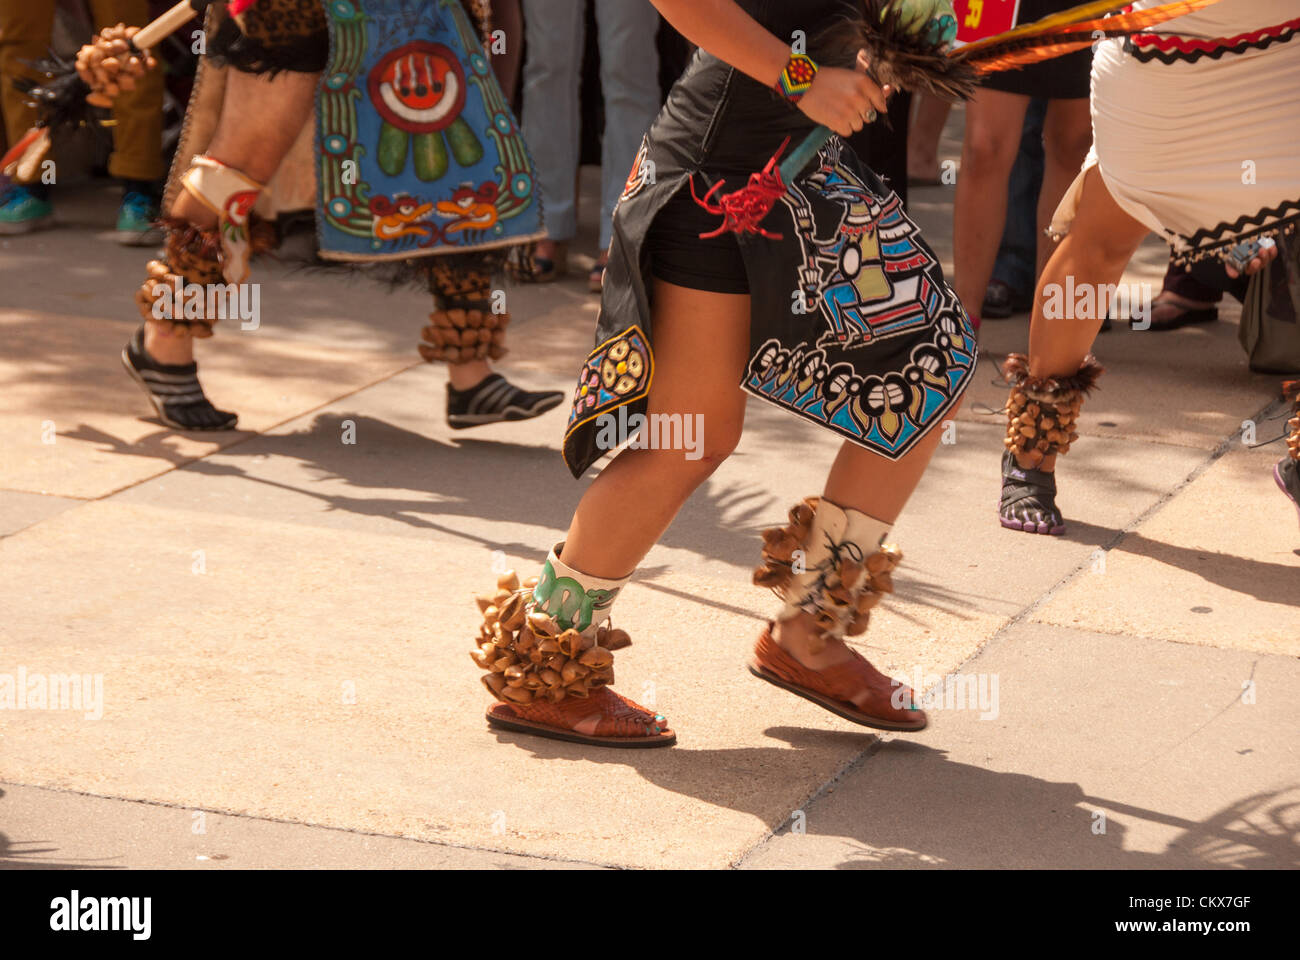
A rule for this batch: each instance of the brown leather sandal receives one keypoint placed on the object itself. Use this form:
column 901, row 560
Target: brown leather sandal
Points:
column 553, row 680
column 619, row 722
column 833, row 688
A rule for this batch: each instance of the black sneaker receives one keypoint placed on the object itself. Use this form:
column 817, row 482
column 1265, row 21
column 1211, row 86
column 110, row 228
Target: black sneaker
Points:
column 174, row 390
column 1000, row 301
column 495, row 399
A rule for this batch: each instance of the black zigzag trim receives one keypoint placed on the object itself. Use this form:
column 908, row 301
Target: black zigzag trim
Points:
column 1208, row 243
column 1146, row 55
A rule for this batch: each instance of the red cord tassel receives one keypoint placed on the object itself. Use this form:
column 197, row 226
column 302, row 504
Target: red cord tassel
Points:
column 742, row 210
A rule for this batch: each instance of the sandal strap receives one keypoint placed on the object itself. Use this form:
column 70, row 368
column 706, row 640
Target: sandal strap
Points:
column 842, row 681
column 1019, row 483
column 619, row 716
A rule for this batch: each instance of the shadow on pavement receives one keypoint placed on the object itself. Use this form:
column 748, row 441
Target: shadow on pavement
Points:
column 951, row 814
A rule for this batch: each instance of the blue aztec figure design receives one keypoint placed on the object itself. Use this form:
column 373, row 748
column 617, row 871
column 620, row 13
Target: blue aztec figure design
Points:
column 868, row 277
column 872, row 281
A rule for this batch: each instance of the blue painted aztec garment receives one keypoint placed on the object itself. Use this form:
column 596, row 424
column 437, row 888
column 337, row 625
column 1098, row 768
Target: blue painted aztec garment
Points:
column 852, row 324
column 418, row 150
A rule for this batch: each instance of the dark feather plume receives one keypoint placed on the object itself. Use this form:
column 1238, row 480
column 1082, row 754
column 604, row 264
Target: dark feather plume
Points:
column 59, row 95
column 898, row 57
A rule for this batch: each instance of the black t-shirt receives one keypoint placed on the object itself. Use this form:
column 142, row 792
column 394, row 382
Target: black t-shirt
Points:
column 719, row 119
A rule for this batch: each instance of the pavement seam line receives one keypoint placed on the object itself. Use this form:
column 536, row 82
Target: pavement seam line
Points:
column 1155, row 507
column 314, row 826
column 858, row 760
column 848, row 767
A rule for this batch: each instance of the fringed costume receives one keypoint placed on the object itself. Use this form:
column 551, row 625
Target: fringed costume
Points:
column 412, row 161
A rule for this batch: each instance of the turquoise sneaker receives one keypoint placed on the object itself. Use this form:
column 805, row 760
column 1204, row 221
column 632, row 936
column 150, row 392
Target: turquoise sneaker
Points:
column 136, row 226
column 22, row 211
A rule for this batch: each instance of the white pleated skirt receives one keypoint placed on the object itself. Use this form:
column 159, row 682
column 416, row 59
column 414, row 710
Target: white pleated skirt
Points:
column 1199, row 143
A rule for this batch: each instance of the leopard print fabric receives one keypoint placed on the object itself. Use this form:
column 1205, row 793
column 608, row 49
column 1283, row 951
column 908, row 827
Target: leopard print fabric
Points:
column 270, row 36
column 480, row 14
column 462, row 280
column 277, row 23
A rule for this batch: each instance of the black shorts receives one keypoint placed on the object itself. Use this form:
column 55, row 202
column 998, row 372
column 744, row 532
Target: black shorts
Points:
column 1061, row 78
column 678, row 255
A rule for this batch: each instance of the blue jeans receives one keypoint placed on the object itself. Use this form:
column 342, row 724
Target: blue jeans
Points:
column 1017, row 261
column 629, row 80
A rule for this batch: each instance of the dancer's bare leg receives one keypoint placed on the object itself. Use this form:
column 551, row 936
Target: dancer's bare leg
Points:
column 1067, row 135
column 924, row 134
column 508, row 17
column 994, row 120
column 1048, row 387
column 701, row 348
column 1101, row 241
column 260, row 119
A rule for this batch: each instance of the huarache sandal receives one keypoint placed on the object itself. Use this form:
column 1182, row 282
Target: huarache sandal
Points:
column 548, row 650
column 854, row 690
column 604, row 719
column 1169, row 312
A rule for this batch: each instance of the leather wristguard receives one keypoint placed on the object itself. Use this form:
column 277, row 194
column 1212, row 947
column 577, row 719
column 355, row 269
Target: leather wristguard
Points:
column 1042, row 412
column 230, row 194
column 548, row 638
column 830, row 563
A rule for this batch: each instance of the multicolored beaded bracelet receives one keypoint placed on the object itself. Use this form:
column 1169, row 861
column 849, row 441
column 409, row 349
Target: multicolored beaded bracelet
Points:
column 797, row 77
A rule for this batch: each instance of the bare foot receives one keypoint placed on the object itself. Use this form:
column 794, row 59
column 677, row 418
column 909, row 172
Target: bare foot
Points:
column 166, row 347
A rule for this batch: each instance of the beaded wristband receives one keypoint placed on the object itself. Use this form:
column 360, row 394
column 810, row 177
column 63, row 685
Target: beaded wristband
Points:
column 797, row 77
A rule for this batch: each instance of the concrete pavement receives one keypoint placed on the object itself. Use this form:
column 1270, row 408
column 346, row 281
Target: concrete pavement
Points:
column 281, row 619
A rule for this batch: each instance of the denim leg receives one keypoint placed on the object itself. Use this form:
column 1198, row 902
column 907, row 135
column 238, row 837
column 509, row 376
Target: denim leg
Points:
column 552, row 119
column 629, row 81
